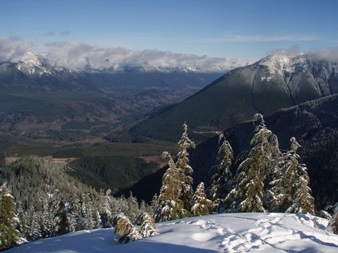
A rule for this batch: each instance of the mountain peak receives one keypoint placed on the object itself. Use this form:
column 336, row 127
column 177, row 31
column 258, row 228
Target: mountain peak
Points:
column 283, row 63
column 32, row 64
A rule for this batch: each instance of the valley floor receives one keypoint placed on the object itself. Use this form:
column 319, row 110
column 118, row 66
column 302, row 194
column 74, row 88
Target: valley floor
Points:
column 239, row 232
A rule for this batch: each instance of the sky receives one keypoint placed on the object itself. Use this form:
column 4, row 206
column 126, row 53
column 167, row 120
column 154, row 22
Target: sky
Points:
column 243, row 29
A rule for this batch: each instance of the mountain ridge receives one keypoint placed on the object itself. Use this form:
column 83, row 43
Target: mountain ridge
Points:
column 314, row 125
column 275, row 82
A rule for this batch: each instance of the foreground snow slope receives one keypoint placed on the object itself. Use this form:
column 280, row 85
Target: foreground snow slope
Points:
column 240, row 232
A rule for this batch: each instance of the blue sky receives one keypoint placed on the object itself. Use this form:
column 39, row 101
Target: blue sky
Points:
column 218, row 28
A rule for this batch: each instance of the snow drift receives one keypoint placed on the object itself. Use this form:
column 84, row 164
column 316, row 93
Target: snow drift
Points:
column 239, row 232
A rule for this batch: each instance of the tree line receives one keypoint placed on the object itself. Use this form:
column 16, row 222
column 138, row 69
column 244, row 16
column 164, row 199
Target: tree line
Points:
column 47, row 202
column 266, row 180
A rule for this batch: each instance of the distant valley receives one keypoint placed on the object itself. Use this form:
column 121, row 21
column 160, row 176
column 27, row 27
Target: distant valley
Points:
column 41, row 103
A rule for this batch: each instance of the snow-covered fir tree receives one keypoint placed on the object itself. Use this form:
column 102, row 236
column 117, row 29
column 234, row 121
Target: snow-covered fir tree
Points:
column 175, row 199
column 201, row 204
column 62, row 219
column 169, row 205
column 9, row 235
column 248, row 194
column 125, row 229
column 147, row 225
column 222, row 176
column 249, row 191
column 184, row 169
column 104, row 208
column 296, row 182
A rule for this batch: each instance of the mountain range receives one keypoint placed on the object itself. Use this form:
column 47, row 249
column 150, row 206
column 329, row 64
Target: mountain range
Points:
column 42, row 102
column 61, row 106
column 277, row 81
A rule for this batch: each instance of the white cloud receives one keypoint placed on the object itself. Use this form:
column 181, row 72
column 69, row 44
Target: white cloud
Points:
column 330, row 54
column 77, row 55
column 13, row 50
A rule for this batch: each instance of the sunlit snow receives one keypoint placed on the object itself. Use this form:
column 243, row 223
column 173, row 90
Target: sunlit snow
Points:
column 239, row 232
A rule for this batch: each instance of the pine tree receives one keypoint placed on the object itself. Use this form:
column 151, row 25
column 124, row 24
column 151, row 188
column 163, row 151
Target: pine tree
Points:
column 175, row 199
column 62, row 219
column 248, row 194
column 125, row 229
column 222, row 176
column 273, row 179
column 201, row 205
column 9, row 235
column 105, row 209
column 184, row 169
column 148, row 227
column 169, row 205
column 133, row 207
column 297, row 190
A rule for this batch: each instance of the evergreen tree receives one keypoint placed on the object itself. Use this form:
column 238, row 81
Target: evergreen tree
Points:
column 248, row 194
column 273, row 175
column 125, row 229
column 201, row 205
column 169, row 204
column 175, row 199
column 9, row 235
column 148, row 227
column 297, row 190
column 222, row 176
column 62, row 219
column 133, row 207
column 184, row 169
column 105, row 209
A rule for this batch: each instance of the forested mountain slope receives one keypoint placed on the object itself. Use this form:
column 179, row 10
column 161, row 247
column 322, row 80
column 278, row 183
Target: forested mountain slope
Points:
column 275, row 82
column 315, row 126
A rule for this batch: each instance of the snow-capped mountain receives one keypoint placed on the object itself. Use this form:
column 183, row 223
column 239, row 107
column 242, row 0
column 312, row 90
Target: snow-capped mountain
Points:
column 284, row 65
column 278, row 81
column 33, row 63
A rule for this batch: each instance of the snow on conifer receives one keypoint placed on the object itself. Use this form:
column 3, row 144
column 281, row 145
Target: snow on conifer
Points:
column 185, row 170
column 267, row 179
column 169, row 205
column 125, row 229
column 222, row 176
column 297, row 183
column 248, row 194
column 175, row 199
column 9, row 235
column 201, row 205
column 148, row 227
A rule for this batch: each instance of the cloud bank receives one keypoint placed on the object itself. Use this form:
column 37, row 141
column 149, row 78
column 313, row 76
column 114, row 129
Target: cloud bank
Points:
column 13, row 50
column 329, row 54
column 79, row 56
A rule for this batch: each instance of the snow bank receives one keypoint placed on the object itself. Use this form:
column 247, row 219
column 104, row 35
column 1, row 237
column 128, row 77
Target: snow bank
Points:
column 239, row 232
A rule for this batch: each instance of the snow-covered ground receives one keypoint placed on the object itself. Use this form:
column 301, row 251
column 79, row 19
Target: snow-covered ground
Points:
column 239, row 232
